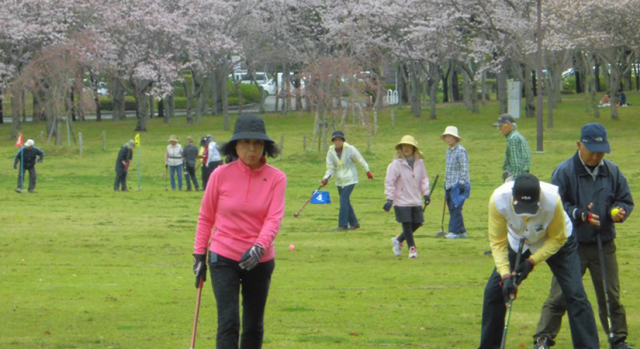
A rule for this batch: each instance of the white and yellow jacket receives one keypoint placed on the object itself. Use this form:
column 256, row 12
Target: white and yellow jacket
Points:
column 545, row 233
column 343, row 169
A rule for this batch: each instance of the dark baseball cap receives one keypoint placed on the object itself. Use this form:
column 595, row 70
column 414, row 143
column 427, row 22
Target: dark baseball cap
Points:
column 594, row 137
column 526, row 194
column 339, row 134
column 503, row 119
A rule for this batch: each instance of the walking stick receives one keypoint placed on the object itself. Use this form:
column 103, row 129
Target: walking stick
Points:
column 510, row 305
column 606, row 290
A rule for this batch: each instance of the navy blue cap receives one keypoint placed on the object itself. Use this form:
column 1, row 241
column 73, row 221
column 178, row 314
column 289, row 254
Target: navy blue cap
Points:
column 338, row 134
column 594, row 137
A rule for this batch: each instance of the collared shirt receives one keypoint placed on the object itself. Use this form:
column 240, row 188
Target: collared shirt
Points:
column 594, row 173
column 517, row 158
column 457, row 167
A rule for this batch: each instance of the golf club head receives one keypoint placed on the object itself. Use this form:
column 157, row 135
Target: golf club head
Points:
column 296, row 214
column 440, row 234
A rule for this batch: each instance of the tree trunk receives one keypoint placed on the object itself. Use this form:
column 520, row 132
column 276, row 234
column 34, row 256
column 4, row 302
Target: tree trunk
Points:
column 96, row 96
column 502, row 89
column 225, row 107
column 16, row 123
column 167, row 107
column 483, row 87
column 433, row 88
column 596, row 73
column 455, row 89
column 415, row 89
column 403, row 86
column 118, row 111
column 142, row 107
column 1, row 107
column 466, row 93
column 161, row 108
column 445, row 85
column 530, row 102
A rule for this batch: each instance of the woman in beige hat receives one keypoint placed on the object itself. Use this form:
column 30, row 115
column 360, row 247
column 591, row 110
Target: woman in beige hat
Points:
column 406, row 186
column 457, row 184
column 173, row 160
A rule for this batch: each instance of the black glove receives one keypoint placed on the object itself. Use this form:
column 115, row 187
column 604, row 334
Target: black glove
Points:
column 509, row 288
column 15, row 166
column 505, row 175
column 39, row 160
column 200, row 267
column 387, row 206
column 251, row 257
column 524, row 269
column 427, row 200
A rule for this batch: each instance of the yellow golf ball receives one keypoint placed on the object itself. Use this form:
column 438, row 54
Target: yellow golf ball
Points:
column 615, row 211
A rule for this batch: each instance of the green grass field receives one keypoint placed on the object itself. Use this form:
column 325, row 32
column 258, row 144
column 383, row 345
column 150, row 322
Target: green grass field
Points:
column 84, row 267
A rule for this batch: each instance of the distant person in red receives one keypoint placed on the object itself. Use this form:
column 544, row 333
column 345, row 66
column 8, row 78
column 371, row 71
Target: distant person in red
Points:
column 27, row 156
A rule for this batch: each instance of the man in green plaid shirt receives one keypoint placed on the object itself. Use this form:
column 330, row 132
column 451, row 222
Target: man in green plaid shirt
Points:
column 518, row 156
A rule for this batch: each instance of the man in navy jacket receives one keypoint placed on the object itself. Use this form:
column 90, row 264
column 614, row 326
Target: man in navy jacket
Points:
column 595, row 195
column 27, row 156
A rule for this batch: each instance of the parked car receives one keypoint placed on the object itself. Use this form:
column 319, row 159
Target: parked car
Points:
column 244, row 77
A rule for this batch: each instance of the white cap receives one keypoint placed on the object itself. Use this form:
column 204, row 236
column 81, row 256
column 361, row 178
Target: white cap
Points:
column 29, row 143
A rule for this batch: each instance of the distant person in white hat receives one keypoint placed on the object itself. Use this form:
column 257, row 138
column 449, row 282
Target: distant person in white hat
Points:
column 457, row 184
column 27, row 156
column 173, row 159
column 406, row 187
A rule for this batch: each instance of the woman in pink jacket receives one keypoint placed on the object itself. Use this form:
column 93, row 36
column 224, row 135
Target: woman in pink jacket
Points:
column 244, row 205
column 406, row 187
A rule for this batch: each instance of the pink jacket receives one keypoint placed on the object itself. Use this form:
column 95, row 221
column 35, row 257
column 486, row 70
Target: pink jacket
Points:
column 243, row 207
column 406, row 186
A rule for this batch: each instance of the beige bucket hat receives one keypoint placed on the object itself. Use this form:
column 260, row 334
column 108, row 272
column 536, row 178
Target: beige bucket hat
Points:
column 407, row 139
column 173, row 138
column 451, row 131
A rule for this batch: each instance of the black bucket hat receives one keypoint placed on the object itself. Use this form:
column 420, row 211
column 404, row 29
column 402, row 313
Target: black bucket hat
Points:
column 250, row 126
column 338, row 134
column 526, row 194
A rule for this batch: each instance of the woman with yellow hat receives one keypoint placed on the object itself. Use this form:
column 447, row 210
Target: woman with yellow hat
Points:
column 457, row 184
column 406, row 186
column 173, row 161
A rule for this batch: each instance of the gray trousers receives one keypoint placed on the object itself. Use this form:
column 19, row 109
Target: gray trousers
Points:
column 554, row 307
column 32, row 178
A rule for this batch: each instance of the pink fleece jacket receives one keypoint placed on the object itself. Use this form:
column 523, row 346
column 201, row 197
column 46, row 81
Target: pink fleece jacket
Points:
column 243, row 207
column 404, row 185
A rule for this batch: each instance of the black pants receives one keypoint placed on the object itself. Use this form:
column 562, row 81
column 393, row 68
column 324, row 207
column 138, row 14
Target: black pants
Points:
column 190, row 175
column 32, row 178
column 411, row 218
column 228, row 282
column 206, row 172
column 121, row 180
column 565, row 266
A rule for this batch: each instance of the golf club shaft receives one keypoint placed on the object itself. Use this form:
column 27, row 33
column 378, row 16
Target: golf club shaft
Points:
column 606, row 290
column 515, row 281
column 435, row 181
column 195, row 316
column 309, row 200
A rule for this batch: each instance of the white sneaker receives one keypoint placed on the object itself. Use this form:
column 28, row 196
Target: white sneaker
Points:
column 452, row 236
column 413, row 253
column 397, row 246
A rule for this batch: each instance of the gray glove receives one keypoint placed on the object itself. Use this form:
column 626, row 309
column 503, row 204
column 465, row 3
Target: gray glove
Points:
column 251, row 257
column 200, row 267
column 505, row 175
column 387, row 206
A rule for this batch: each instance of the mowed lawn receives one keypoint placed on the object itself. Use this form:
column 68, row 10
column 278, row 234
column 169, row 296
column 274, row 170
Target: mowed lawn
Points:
column 82, row 266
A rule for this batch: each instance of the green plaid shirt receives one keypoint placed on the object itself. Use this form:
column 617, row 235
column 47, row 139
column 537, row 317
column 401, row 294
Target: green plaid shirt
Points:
column 517, row 158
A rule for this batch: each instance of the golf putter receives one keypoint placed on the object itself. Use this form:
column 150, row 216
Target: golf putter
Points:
column 606, row 292
column 515, row 281
column 442, row 233
column 195, row 316
column 435, row 181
